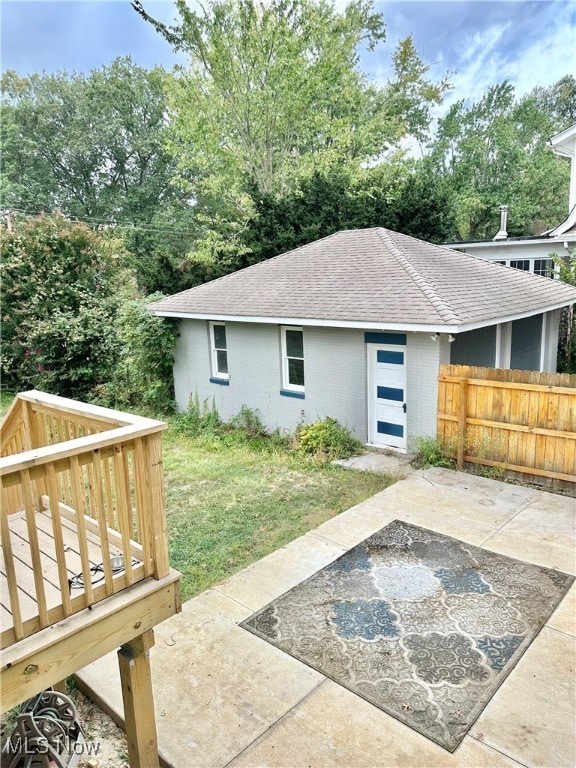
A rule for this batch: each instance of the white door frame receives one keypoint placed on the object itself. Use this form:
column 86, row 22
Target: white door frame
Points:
column 371, row 349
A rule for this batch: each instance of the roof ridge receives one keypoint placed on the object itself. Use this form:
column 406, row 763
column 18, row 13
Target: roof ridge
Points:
column 444, row 310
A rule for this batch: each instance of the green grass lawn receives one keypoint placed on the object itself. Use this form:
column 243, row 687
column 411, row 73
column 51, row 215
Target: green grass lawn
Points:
column 5, row 400
column 231, row 500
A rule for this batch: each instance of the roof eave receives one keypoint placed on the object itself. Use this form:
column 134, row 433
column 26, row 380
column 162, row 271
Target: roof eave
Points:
column 544, row 239
column 563, row 143
column 362, row 324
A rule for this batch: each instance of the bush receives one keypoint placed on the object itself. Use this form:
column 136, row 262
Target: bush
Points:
column 143, row 377
column 248, row 421
column 198, row 419
column 326, row 440
column 429, row 453
column 60, row 305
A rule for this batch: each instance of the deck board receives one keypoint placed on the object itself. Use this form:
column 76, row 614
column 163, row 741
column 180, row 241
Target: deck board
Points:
column 23, row 564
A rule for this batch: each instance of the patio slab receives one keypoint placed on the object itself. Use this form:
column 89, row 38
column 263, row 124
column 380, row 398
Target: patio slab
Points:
column 261, row 582
column 334, row 728
column 564, row 617
column 396, row 465
column 532, row 550
column 531, row 717
column 477, row 499
column 215, row 685
column 225, row 697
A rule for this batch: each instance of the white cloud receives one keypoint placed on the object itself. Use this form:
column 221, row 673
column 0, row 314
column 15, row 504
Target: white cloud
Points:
column 548, row 59
column 497, row 54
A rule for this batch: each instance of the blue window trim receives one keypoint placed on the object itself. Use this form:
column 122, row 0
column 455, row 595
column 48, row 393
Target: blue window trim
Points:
column 289, row 393
column 385, row 338
column 223, row 382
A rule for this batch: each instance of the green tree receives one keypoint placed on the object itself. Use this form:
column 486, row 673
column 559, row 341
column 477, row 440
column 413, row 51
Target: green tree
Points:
column 410, row 97
column 399, row 196
column 273, row 93
column 559, row 99
column 59, row 306
column 94, row 147
column 495, row 152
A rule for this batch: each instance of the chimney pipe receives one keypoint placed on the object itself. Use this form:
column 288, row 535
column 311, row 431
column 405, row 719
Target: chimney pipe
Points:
column 502, row 234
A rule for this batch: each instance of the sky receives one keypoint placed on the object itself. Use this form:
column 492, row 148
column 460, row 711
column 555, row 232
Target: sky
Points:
column 479, row 42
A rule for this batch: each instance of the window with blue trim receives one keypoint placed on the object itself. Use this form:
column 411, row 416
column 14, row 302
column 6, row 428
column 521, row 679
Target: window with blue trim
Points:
column 219, row 351
column 292, row 359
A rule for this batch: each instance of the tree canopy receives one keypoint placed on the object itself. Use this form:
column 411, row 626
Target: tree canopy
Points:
column 60, row 304
column 94, row 143
column 93, row 147
column 273, row 94
column 495, row 151
column 396, row 196
column 273, row 90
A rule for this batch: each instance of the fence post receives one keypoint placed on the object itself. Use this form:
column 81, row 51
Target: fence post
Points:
column 462, row 404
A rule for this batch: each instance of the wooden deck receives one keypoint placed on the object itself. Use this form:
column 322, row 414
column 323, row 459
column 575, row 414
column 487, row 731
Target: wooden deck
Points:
column 26, row 575
column 84, row 554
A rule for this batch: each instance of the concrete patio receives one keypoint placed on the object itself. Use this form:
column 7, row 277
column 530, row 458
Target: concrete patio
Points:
column 224, row 697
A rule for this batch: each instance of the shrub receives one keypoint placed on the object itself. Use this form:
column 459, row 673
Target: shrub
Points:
column 60, row 306
column 199, row 419
column 429, row 453
column 326, row 440
column 248, row 421
column 143, row 377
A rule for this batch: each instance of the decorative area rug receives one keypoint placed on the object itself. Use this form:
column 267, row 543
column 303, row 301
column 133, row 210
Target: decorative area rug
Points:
column 419, row 624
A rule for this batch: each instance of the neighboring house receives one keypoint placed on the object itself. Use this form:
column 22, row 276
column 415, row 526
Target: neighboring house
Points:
column 532, row 253
column 355, row 326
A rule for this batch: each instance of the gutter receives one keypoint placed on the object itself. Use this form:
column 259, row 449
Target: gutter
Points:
column 373, row 325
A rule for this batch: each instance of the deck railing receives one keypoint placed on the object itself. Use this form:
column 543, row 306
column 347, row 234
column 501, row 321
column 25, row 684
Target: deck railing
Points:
column 82, row 509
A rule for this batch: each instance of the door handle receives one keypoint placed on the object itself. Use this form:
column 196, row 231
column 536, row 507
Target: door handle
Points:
column 404, row 407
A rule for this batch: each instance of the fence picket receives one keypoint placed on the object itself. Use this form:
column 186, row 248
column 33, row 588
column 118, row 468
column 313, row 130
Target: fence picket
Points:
column 514, row 420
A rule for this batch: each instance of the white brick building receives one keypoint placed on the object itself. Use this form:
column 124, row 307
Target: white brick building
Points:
column 355, row 326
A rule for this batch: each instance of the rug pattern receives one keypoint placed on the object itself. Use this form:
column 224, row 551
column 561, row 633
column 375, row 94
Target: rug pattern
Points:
column 421, row 625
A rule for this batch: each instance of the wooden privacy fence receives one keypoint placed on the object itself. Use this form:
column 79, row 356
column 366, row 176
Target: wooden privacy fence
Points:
column 524, row 421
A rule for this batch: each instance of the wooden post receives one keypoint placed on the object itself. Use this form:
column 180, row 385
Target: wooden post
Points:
column 462, row 403
column 134, row 663
column 150, row 501
column 158, row 506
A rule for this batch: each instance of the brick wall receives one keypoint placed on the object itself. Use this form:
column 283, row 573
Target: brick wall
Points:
column 335, row 374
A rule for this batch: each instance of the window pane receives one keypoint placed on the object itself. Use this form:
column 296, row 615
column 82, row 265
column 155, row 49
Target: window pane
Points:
column 543, row 267
column 526, row 341
column 294, row 344
column 222, row 360
column 219, row 336
column 476, row 347
column 523, row 264
column 296, row 372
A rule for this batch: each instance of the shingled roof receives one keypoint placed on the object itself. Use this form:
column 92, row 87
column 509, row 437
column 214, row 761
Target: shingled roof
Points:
column 372, row 277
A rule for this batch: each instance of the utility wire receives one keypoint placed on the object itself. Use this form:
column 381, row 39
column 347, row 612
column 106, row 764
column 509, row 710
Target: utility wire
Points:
column 117, row 225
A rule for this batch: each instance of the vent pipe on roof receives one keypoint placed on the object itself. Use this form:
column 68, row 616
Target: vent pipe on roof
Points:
column 502, row 234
